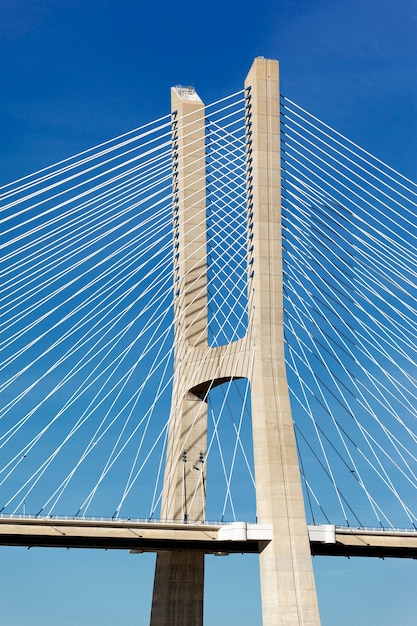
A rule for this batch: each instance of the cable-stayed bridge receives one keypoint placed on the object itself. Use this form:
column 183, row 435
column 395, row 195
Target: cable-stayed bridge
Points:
column 117, row 260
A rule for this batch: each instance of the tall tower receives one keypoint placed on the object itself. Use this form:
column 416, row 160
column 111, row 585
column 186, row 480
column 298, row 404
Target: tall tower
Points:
column 287, row 581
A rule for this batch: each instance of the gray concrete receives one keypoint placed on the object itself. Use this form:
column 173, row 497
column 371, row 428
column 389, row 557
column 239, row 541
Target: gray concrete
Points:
column 235, row 538
column 287, row 581
column 179, row 578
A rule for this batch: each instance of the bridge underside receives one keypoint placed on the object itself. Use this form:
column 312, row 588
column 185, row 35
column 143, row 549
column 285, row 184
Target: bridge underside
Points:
column 238, row 538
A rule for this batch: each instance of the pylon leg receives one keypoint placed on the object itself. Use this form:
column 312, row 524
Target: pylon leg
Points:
column 178, row 589
column 287, row 579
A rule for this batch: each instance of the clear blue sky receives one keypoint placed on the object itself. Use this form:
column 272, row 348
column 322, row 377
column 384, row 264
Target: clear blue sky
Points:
column 74, row 73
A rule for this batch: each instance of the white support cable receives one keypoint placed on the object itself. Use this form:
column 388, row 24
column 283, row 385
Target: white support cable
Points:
column 366, row 285
column 94, row 209
column 128, row 487
column 95, row 353
column 321, row 444
column 238, row 442
column 216, row 198
column 224, row 134
column 153, row 368
column 45, row 352
column 327, row 408
column 372, row 206
column 369, row 355
column 377, row 297
column 362, row 400
column 81, row 420
column 167, row 358
column 406, row 509
column 368, row 408
column 218, row 207
column 400, row 338
column 363, row 431
column 158, row 478
column 86, row 338
column 379, row 268
column 333, row 378
column 405, row 250
column 376, row 281
column 74, row 226
column 309, row 491
column 316, row 226
column 96, row 437
column 196, row 142
column 326, row 242
column 37, row 475
column 132, row 177
column 381, row 256
column 312, row 189
column 227, row 183
column 78, row 292
column 84, row 341
column 220, row 414
column 17, row 302
column 82, row 173
column 237, row 95
column 238, row 324
column 162, row 433
column 215, row 437
column 204, row 330
column 307, row 410
column 388, row 259
column 190, row 135
column 165, row 431
column 234, row 129
column 245, row 409
column 159, row 218
column 352, row 474
column 136, row 177
column 362, row 348
column 226, row 139
column 196, row 296
column 133, row 477
column 80, row 161
column 368, row 154
column 56, row 207
column 110, row 289
column 341, row 164
column 82, row 321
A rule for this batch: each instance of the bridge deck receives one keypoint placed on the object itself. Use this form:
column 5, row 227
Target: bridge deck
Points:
column 132, row 535
column 384, row 543
column 211, row 538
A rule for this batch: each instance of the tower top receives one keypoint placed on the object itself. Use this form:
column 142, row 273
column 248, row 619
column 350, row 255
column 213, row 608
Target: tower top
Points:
column 186, row 93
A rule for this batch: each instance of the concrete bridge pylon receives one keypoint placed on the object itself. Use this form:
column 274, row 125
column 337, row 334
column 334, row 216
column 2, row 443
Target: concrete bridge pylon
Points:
column 287, row 580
